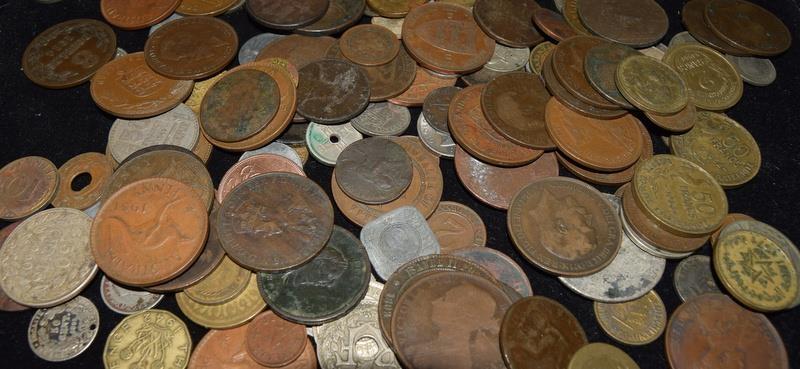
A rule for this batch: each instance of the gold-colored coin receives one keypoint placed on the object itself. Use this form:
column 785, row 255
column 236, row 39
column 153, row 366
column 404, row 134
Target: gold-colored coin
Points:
column 570, row 13
column 199, row 91
column 227, row 281
column 636, row 322
column 600, row 355
column 712, row 81
column 538, row 56
column 148, row 339
column 651, row 85
column 231, row 314
column 753, row 262
column 723, row 147
column 679, row 195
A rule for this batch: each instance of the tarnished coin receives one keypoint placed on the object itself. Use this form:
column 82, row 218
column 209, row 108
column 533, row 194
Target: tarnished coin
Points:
column 507, row 59
column 394, row 8
column 681, row 121
column 748, row 26
column 369, row 45
column 373, row 170
column 272, row 341
column 502, row 267
column 636, row 322
column 440, row 143
column 47, row 259
column 205, row 7
column 457, row 227
column 693, row 277
column 340, row 15
column 92, row 164
column 539, row 55
column 275, row 148
column 146, row 335
column 223, row 348
column 568, row 67
column 6, row 303
column 600, row 355
column 651, row 85
column 564, row 227
column 63, row 332
column 600, row 66
column 514, row 105
column 694, row 19
column 423, row 84
column 250, row 49
column 383, row 119
column 436, row 106
column 178, row 127
column 630, row 22
column 253, row 166
column 298, row 50
column 508, row 21
column 286, row 14
column 552, row 24
column 388, row 80
column 132, row 15
column 712, row 81
column 567, row 98
column 755, row 71
column 69, row 53
column 332, row 91
column 326, row 142
column 27, row 185
column 396, row 237
column 223, row 284
column 231, row 314
column 126, row 301
column 393, row 24
column 539, row 330
column 325, row 288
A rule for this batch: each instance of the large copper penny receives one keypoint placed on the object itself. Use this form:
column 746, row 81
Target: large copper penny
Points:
column 286, row 14
column 472, row 131
column 373, row 170
column 552, row 24
column 27, row 185
column 126, row 87
column 508, row 21
column 205, row 7
column 149, row 232
column 369, row 45
column 423, row 84
column 191, row 48
column 68, row 53
column 131, row 15
column 568, row 58
column 273, row 341
column 457, row 227
column 275, row 221
column 564, row 226
column 430, row 31
column 253, row 166
column 6, row 303
column 567, row 98
column 224, row 348
column 600, row 67
column 340, row 15
column 652, row 232
column 92, row 164
column 748, row 26
column 298, row 50
column 694, row 19
column 712, row 331
column 449, row 320
column 637, row 23
column 332, row 91
column 538, row 332
column 514, row 104
column 388, row 80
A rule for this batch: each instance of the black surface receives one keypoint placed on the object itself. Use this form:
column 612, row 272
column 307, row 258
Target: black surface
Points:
column 59, row 124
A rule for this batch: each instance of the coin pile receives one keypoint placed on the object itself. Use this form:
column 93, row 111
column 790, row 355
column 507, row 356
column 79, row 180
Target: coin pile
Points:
column 505, row 88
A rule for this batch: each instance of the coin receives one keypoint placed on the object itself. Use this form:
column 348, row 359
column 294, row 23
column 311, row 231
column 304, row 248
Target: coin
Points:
column 564, row 227
column 295, row 134
column 63, row 332
column 538, row 329
column 298, row 50
column 46, row 260
column 681, row 121
column 94, row 165
column 129, row 15
column 729, row 218
column 369, row 45
column 326, row 142
column 439, row 143
column 571, row 16
column 457, row 227
column 712, row 81
column 600, row 67
column 324, row 96
column 231, row 314
column 382, row 119
column 539, row 55
column 436, row 106
column 423, row 84
column 693, row 277
column 284, row 14
column 27, row 185
column 693, row 18
column 565, row 97
column 254, row 166
column 568, row 66
column 178, row 127
column 394, row 8
column 514, row 105
column 274, row 342
column 629, row 22
column 126, row 301
column 6, row 303
column 223, row 348
column 158, row 25
column 501, row 267
column 714, row 331
column 601, row 356
column 636, row 322
column 200, row 90
column 275, row 148
column 205, row 7
column 250, row 49
column 748, row 26
column 207, row 45
column 651, row 85
column 646, row 245
column 507, row 59
column 340, row 15
column 223, row 284
column 151, row 332
column 552, row 24
column 755, row 71
column 507, row 21
column 684, row 37
column 393, row 24
column 388, row 80
column 373, row 171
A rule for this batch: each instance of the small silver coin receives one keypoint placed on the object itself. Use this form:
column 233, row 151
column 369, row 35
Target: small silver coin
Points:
column 92, row 210
column 158, row 25
column 393, row 24
column 65, row 331
column 396, row 237
column 120, row 53
column 508, row 59
column 325, row 142
column 178, row 127
column 254, row 45
column 755, row 71
column 693, row 277
column 124, row 301
column 276, row 148
column 682, row 38
column 647, row 246
column 439, row 143
column 383, row 119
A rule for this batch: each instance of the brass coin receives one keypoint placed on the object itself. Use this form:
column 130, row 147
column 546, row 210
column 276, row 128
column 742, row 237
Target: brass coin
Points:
column 651, row 85
column 637, row 322
column 514, row 105
column 226, row 282
column 748, row 26
column 681, row 121
column 27, row 185
column 636, row 23
column 568, row 66
column 598, row 355
column 373, row 170
column 234, row 313
column 93, row 164
column 712, row 81
column 148, row 335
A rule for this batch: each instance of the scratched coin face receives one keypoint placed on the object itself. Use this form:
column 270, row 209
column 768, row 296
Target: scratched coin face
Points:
column 63, row 332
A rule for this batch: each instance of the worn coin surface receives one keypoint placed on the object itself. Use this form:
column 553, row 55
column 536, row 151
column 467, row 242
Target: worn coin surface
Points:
column 440, row 143
column 332, row 91
column 177, row 127
column 630, row 22
column 223, row 348
column 191, row 48
column 712, row 81
column 27, row 185
column 693, row 18
column 600, row 67
column 508, row 21
column 651, row 85
column 132, row 15
column 568, row 67
column 340, row 15
column 369, row 45
column 502, row 267
column 250, row 49
column 552, row 24
column 636, row 322
column 693, row 277
column 223, row 284
column 456, row 227
column 514, row 105
column 272, row 341
column 755, row 71
column 255, row 165
column 748, row 26
column 286, row 14
column 681, row 121
column 126, row 301
column 326, row 142
column 6, row 303
column 436, row 106
column 63, row 332
column 93, row 164
column 388, row 80
column 424, row 83
column 234, row 313
column 373, row 170
column 298, row 50
column 382, row 119
column 155, row 335
column 600, row 355
column 199, row 91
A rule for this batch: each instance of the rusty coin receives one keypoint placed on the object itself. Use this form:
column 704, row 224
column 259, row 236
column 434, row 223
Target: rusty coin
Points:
column 253, row 166
column 693, row 18
column 552, row 24
column 636, row 23
column 286, row 14
column 423, row 84
column 436, row 106
column 748, row 26
column 131, row 15
column 600, row 67
column 274, row 342
column 369, row 45
column 373, row 170
column 332, row 91
column 223, row 348
column 340, row 15
column 508, row 21
column 514, row 105
column 568, row 59
column 205, row 7
column 27, row 185
column 457, row 227
column 92, row 164
column 565, row 97
column 6, row 303
column 681, row 121
column 298, row 50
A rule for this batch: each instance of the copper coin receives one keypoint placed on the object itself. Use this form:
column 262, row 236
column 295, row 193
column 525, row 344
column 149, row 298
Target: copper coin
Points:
column 373, row 170
column 298, row 50
column 514, row 105
column 394, row 8
column 286, row 14
column 748, row 26
column 565, row 97
column 730, row 218
column 604, row 145
column 681, row 121
column 568, row 58
column 27, row 185
column 340, row 15
column 495, row 186
column 552, row 24
column 253, row 166
column 508, row 21
column 429, row 32
column 388, row 80
column 694, row 19
column 149, row 232
column 92, row 164
column 423, row 84
column 239, row 105
column 369, row 44
column 224, row 348
column 191, row 47
column 457, row 227
column 275, row 221
column 712, row 331
column 503, row 268
column 449, row 319
column 274, row 342
column 564, row 226
column 205, row 7
column 332, row 91
column 131, row 15
column 472, row 131
column 307, row 360
column 126, row 87
column 6, row 303
column 636, row 23
column 69, row 53
column 436, row 106
column 600, row 67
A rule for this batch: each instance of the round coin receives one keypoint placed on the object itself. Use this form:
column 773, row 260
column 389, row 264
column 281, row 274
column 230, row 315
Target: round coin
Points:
column 600, row 355
column 439, row 143
column 94, row 165
column 755, row 71
column 729, row 218
column 369, row 45
column 231, row 314
column 568, row 66
column 457, row 227
column 276, row 148
column 63, row 332
column 250, row 49
column 332, row 91
column 514, row 105
column 274, row 342
column 600, row 67
column 6, row 303
column 326, row 142
column 298, row 50
column 539, row 55
column 651, row 85
column 126, row 301
column 712, row 81
column 373, row 170
column 634, row 23
column 552, row 24
column 636, row 322
column 286, row 14
column 501, row 267
column 693, row 277
column 132, row 15
column 571, row 16
column 253, row 166
column 507, row 59
column 27, row 185
column 388, row 80
column 508, row 21
column 682, row 121
column 150, row 332
column 748, row 26
column 423, row 84
column 382, row 119
column 394, row 8
column 340, row 15
column 177, row 127
column 223, row 284
column 694, row 19
column 436, row 106
column 223, row 348
column 567, row 98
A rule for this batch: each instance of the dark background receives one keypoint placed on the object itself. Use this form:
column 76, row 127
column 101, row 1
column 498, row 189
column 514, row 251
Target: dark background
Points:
column 59, row 124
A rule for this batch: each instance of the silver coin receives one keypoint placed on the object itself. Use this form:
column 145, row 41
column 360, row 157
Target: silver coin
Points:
column 92, row 210
column 276, row 148
column 178, row 127
column 325, row 142
column 65, row 331
column 254, row 45
column 483, row 75
column 508, row 59
column 439, row 142
column 124, row 301
column 693, row 277
column 682, row 38
column 158, row 25
column 383, row 119
column 559, row 5
column 755, row 71
column 120, row 53
column 393, row 24
column 647, row 246
column 396, row 237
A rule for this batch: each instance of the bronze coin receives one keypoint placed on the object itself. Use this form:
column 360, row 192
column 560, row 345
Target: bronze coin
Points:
column 388, row 80
column 369, row 45
column 423, row 84
column 730, row 218
column 69, row 53
column 298, row 50
column 223, row 348
column 286, row 14
column 748, row 27
column 449, row 319
column 712, row 331
column 540, row 330
column 552, row 24
column 239, row 105
column 636, row 23
column 564, row 226
column 436, row 106
column 600, row 67
column 373, row 170
column 274, row 342
column 6, row 303
column 570, row 12
column 429, row 31
column 514, row 105
column 340, row 15
column 681, row 121
column 568, row 58
column 205, row 7
column 394, row 8
column 275, row 221
column 508, row 21
column 605, row 145
column 27, row 185
column 191, row 47
column 457, row 227
column 472, row 132
column 332, row 91
column 149, row 232
column 565, row 97
column 131, row 15
column 652, row 232
column 253, row 166
column 693, row 18
column 495, row 186
column 93, row 164
column 126, row 87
